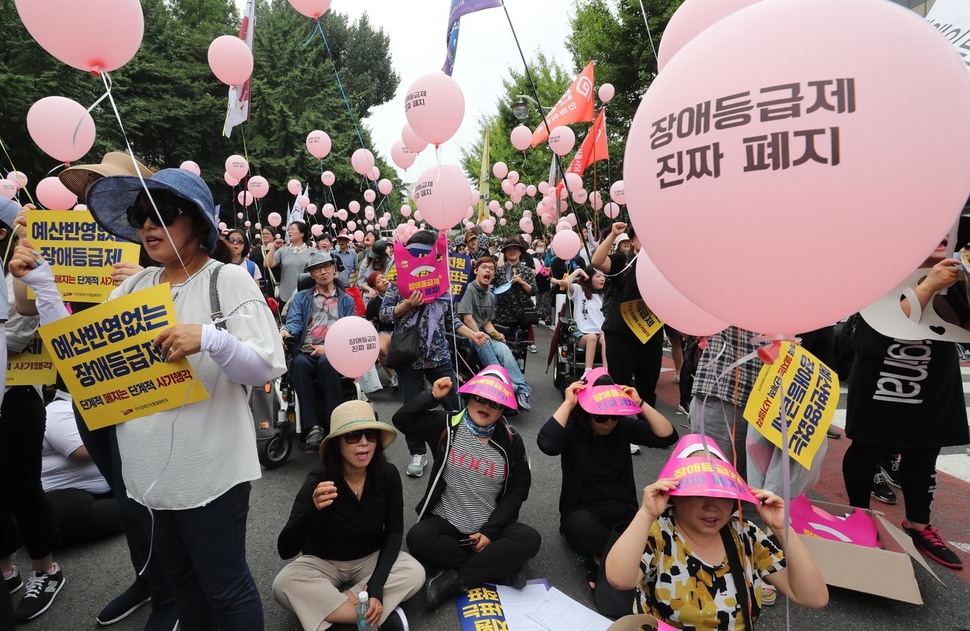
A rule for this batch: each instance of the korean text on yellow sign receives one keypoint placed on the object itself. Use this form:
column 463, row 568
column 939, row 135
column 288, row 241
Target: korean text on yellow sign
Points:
column 79, row 252
column 32, row 366
column 810, row 390
column 110, row 364
column 640, row 319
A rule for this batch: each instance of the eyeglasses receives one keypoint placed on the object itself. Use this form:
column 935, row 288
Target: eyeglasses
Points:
column 603, row 419
column 492, row 404
column 236, row 241
column 137, row 215
column 488, row 268
column 352, row 438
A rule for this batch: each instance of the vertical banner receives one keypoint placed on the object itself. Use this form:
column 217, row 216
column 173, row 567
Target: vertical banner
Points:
column 483, row 176
column 459, row 272
column 108, row 360
column 79, row 252
column 238, row 109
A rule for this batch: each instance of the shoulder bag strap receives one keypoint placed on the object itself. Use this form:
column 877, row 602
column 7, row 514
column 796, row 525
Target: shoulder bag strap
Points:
column 740, row 578
column 214, row 304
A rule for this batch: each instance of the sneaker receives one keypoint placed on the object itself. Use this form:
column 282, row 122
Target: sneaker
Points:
column 393, row 382
column 881, row 490
column 533, row 349
column 314, row 437
column 683, row 411
column 523, row 400
column 15, row 582
column 124, row 604
column 768, row 596
column 928, row 541
column 418, row 463
column 41, row 590
column 397, row 621
column 890, row 469
column 441, row 587
column 677, row 378
column 163, row 618
column 634, row 449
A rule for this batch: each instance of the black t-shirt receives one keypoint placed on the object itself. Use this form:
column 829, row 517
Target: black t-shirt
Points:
column 560, row 269
column 621, row 287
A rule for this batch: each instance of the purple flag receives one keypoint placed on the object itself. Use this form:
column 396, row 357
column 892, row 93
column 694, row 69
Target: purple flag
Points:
column 458, row 9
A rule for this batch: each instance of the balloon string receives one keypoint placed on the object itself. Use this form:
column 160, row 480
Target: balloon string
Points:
column 14, row 168
column 340, row 84
column 134, row 163
column 649, row 36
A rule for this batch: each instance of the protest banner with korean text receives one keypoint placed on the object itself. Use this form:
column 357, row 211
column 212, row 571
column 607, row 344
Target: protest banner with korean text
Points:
column 640, row 320
column 32, row 366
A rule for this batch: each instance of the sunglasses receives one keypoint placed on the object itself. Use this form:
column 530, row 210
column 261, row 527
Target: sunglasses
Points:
column 492, row 404
column 603, row 419
column 137, row 215
column 352, row 438
column 236, row 241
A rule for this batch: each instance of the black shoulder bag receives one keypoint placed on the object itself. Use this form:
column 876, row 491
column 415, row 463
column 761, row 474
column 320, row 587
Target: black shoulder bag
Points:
column 737, row 572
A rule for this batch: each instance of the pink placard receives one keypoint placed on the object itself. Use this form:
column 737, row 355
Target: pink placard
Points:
column 427, row 273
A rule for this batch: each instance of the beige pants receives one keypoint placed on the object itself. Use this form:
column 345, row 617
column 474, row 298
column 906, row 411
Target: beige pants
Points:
column 310, row 586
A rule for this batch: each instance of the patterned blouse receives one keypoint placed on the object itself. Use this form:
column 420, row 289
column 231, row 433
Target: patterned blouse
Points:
column 513, row 302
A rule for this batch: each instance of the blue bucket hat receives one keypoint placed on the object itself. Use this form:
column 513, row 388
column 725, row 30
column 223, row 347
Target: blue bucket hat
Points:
column 9, row 210
column 110, row 197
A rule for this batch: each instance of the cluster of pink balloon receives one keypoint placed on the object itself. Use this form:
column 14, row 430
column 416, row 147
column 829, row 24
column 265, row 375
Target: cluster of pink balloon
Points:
column 792, row 225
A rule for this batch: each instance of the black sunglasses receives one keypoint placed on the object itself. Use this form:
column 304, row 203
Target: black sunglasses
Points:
column 603, row 419
column 492, row 404
column 352, row 438
column 237, row 241
column 137, row 215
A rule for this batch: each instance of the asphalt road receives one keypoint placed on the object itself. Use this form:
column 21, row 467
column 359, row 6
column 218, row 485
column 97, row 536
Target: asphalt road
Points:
column 96, row 573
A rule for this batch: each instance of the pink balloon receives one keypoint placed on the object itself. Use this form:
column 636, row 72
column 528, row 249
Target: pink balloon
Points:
column 508, row 206
column 525, row 225
column 500, row 170
column 311, row 8
column 834, row 174
column 670, row 305
column 7, row 188
column 316, row 230
column 521, row 137
column 231, row 181
column 342, row 214
column 502, row 221
column 369, row 213
column 354, row 206
column 80, row 207
column 52, row 122
column 580, row 196
column 507, row 187
column 362, row 161
column 274, row 219
column 611, row 210
column 236, row 166
column 513, row 177
column 562, row 140
column 487, row 226
column 18, row 178
column 405, row 211
column 311, row 209
column 294, row 187
column 249, row 223
column 223, row 226
column 563, row 225
column 191, row 167
column 571, row 220
column 370, row 195
column 412, row 140
column 327, row 211
column 245, row 198
column 475, row 197
column 543, row 187
column 607, row 91
column 401, row 155
column 98, row 36
column 618, row 192
column 383, row 222
column 54, row 195
column 239, row 215
column 441, row 194
column 374, row 174
column 358, row 235
column 318, row 144
column 256, row 225
column 546, row 219
column 531, row 190
column 230, row 59
column 527, row 213
column 574, row 182
column 689, row 20
column 351, row 225
column 352, row 345
column 596, row 200
column 493, row 205
column 328, row 178
column 258, row 186
column 303, row 200
column 417, row 217
column 385, row 186
column 566, row 244
column 435, row 107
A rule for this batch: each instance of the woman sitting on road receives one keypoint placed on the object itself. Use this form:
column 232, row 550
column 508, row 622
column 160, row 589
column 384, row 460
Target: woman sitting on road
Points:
column 591, row 432
column 348, row 521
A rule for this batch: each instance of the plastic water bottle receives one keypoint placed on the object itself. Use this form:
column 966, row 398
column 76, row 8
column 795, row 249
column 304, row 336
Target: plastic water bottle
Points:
column 363, row 605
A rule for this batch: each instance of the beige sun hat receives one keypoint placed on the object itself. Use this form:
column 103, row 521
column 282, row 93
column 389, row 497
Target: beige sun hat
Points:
column 354, row 415
column 75, row 178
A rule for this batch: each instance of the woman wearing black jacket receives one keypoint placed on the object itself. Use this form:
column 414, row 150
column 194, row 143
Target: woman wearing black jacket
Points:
column 467, row 530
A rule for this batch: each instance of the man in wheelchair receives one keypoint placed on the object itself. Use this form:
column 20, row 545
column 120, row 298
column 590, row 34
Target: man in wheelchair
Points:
column 477, row 308
column 311, row 314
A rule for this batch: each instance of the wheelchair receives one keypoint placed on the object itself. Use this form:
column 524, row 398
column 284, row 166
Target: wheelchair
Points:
column 569, row 358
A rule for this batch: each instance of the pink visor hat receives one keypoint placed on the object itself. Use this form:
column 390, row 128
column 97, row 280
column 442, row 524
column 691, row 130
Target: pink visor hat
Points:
column 703, row 475
column 606, row 400
column 492, row 383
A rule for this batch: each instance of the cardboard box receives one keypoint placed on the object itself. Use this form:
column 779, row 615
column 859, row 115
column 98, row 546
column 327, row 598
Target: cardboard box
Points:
column 886, row 572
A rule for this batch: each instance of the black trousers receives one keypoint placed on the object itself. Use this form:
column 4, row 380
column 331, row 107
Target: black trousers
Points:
column 917, row 476
column 434, row 542
column 25, row 514
column 82, row 517
column 588, row 533
column 634, row 364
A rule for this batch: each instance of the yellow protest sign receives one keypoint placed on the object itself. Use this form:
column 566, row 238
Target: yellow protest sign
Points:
column 32, row 366
column 640, row 319
column 111, row 367
column 79, row 252
column 811, row 393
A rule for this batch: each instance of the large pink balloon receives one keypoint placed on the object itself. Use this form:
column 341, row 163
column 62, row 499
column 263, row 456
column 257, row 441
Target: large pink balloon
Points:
column 611, row 210
column 90, row 35
column 618, row 192
column 245, row 198
column 19, row 178
column 354, row 206
column 692, row 18
column 385, row 186
column 191, row 167
column 258, row 186
column 566, row 244
column 231, row 60
column 370, row 195
column 669, row 305
column 294, row 187
column 562, row 140
column 401, row 155
column 311, row 8
column 328, row 178
column 231, row 181
column 441, row 194
column 7, row 188
column 500, row 170
column 62, row 128
column 318, row 144
column 412, row 140
column 362, row 161
column 434, row 106
column 54, row 195
column 316, row 229
column 607, row 91
column 237, row 166
column 521, row 137
column 274, row 219
column 796, row 197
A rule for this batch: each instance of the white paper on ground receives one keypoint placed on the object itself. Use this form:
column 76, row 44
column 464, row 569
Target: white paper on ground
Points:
column 516, row 605
column 559, row 612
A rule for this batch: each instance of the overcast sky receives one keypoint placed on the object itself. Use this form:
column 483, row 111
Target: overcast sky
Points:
column 486, row 50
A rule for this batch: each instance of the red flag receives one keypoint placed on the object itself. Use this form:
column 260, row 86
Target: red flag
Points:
column 593, row 149
column 575, row 106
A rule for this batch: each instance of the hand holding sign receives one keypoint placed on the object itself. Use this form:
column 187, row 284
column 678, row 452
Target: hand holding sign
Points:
column 180, row 341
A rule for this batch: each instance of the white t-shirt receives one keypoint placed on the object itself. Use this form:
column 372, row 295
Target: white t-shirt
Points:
column 587, row 313
column 61, row 439
column 185, row 458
